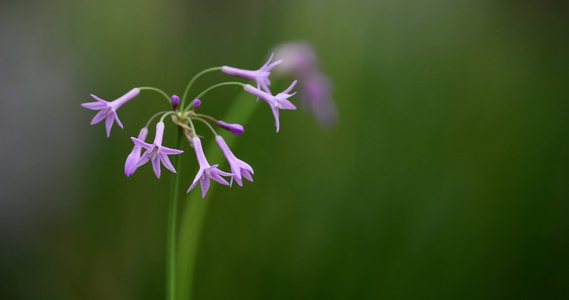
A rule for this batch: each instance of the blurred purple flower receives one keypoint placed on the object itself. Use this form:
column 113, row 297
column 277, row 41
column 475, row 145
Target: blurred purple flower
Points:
column 276, row 102
column 134, row 156
column 315, row 88
column 108, row 110
column 299, row 59
column 156, row 152
column 315, row 95
column 238, row 167
column 206, row 172
column 260, row 76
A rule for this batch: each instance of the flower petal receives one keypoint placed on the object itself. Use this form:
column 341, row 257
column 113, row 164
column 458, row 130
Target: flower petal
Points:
column 220, row 172
column 236, row 170
column 117, row 119
column 131, row 160
column 170, row 151
column 98, row 99
column 156, row 166
column 268, row 61
column 143, row 160
column 196, row 179
column 100, row 116
column 94, row 105
column 246, row 174
column 141, row 143
column 290, row 87
column 166, row 162
column 204, row 183
column 215, row 176
column 274, row 64
column 276, row 114
column 286, row 105
column 109, row 123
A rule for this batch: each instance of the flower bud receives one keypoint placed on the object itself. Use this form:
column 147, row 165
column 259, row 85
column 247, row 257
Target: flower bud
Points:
column 236, row 129
column 175, row 102
column 197, row 103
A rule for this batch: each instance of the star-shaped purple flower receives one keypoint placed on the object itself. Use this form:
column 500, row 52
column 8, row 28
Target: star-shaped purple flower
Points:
column 155, row 152
column 276, row 102
column 261, row 76
column 206, row 172
column 238, row 167
column 108, row 110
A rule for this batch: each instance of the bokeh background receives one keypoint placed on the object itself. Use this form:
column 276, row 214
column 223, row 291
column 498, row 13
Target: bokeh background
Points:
column 446, row 176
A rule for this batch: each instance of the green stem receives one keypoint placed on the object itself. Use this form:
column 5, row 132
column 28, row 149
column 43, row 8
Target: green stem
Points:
column 214, row 87
column 167, row 114
column 158, row 91
column 172, row 224
column 208, row 125
column 194, row 213
column 192, row 82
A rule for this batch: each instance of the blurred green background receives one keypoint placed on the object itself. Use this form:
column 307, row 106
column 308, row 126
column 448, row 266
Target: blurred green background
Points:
column 446, row 177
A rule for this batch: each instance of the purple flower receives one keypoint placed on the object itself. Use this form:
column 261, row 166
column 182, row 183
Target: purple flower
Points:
column 156, row 152
column 276, row 102
column 260, row 76
column 108, row 110
column 315, row 94
column 314, row 88
column 299, row 58
column 236, row 129
column 134, row 156
column 206, row 172
column 238, row 167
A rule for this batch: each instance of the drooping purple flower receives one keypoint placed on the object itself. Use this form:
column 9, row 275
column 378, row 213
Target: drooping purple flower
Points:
column 108, row 110
column 175, row 102
column 235, row 129
column 156, row 152
column 238, row 167
column 315, row 94
column 276, row 102
column 261, row 76
column 206, row 172
column 134, row 156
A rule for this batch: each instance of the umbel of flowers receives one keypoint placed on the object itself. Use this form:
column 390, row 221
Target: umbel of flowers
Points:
column 185, row 115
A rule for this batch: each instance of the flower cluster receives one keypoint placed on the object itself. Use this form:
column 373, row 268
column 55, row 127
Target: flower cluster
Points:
column 184, row 116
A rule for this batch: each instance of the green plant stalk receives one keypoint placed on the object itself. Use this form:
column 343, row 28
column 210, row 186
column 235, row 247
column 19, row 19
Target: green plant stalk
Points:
column 193, row 214
column 158, row 91
column 173, row 222
column 185, row 95
column 213, row 87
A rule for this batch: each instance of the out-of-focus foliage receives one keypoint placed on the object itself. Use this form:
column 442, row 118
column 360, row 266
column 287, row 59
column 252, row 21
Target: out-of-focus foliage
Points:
column 446, row 177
